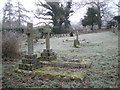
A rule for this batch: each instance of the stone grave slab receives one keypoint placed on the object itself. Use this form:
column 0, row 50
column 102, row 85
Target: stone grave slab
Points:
column 78, row 74
column 68, row 64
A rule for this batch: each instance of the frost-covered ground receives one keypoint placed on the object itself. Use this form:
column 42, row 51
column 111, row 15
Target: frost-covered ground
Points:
column 101, row 48
column 95, row 44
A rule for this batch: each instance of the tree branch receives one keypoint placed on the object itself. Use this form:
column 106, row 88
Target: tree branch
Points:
column 44, row 5
column 42, row 12
column 44, row 23
column 42, row 17
column 118, row 5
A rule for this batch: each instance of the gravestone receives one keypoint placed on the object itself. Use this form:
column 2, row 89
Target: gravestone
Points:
column 30, row 62
column 76, row 41
column 47, row 53
column 71, row 34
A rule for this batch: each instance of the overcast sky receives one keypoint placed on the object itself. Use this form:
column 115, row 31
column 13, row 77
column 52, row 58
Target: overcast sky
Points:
column 30, row 5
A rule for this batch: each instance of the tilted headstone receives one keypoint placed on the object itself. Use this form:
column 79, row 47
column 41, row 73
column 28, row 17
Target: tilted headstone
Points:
column 76, row 41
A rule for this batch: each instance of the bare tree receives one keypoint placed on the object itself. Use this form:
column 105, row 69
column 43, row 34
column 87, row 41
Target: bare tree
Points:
column 4, row 17
column 19, row 14
column 13, row 16
column 118, row 5
column 8, row 14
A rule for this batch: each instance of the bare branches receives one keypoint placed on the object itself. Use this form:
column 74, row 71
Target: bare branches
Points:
column 39, row 3
column 118, row 5
column 46, row 23
column 38, row 17
column 41, row 12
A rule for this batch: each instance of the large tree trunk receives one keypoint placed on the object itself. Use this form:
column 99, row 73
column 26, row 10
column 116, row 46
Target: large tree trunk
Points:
column 99, row 15
column 92, row 26
column 58, row 24
column 19, row 21
column 99, row 26
column 119, row 26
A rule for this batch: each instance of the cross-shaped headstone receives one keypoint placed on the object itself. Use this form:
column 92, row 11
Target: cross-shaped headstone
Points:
column 47, row 32
column 30, row 38
column 47, row 53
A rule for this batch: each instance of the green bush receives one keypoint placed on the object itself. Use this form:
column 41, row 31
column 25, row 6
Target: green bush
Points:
column 55, row 30
column 10, row 44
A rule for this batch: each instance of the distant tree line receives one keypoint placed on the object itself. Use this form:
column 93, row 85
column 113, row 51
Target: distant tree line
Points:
column 57, row 15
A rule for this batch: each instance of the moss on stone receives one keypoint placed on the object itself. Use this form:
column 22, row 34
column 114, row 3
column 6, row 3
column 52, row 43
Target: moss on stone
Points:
column 62, row 73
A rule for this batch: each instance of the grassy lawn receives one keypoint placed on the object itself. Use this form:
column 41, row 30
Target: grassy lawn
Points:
column 101, row 48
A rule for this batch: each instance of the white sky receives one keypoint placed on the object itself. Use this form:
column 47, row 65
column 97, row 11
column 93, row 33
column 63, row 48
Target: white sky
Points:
column 30, row 5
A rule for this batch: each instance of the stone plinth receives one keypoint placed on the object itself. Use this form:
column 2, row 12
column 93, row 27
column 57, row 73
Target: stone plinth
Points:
column 76, row 42
column 30, row 62
column 48, row 55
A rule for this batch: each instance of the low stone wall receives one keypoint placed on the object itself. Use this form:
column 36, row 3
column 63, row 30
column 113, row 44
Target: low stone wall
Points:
column 80, row 32
column 114, row 30
column 93, row 31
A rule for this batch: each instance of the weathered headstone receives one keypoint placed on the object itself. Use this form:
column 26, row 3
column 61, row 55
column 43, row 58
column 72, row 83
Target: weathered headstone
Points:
column 77, row 35
column 30, row 38
column 30, row 61
column 76, row 41
column 47, row 53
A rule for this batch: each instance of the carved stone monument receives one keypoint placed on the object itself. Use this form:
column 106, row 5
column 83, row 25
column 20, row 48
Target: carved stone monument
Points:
column 30, row 62
column 47, row 53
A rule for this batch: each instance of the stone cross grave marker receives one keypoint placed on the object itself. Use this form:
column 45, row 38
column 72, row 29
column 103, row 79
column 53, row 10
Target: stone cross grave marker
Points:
column 30, row 62
column 30, row 38
column 47, row 32
column 47, row 53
